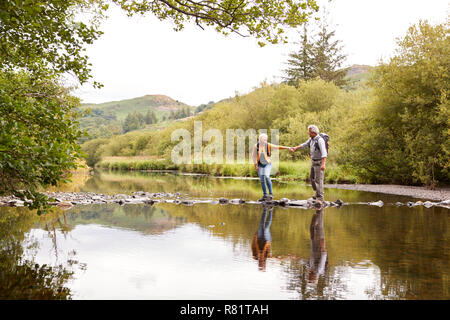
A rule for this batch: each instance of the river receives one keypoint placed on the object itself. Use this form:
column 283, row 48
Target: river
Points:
column 214, row 251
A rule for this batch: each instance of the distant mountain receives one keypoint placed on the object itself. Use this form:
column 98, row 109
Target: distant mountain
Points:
column 357, row 75
column 357, row 69
column 160, row 104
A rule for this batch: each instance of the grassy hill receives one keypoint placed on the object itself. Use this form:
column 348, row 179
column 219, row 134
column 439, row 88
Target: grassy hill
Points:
column 106, row 119
column 160, row 104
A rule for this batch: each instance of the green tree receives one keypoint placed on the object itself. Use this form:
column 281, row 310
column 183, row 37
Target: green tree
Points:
column 93, row 150
column 45, row 37
column 264, row 20
column 319, row 56
column 328, row 57
column 133, row 121
column 148, row 117
column 38, row 136
column 404, row 136
column 301, row 63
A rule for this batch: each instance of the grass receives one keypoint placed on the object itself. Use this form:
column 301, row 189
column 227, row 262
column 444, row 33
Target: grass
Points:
column 287, row 170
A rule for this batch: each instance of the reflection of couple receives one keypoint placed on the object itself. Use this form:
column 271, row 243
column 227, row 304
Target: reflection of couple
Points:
column 262, row 239
column 318, row 258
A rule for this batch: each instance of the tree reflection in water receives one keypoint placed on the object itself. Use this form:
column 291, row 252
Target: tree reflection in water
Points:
column 20, row 276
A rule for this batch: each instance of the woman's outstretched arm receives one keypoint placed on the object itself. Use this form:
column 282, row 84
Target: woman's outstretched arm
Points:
column 278, row 147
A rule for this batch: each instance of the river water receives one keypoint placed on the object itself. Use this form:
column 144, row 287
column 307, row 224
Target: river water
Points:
column 206, row 251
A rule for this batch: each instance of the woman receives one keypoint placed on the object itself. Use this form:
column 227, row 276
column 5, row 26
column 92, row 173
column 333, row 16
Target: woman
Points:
column 263, row 164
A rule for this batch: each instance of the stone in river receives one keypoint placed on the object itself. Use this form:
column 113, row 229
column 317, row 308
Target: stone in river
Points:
column 378, row 203
column 223, row 200
column 428, row 204
column 237, row 201
column 187, row 202
column 299, row 203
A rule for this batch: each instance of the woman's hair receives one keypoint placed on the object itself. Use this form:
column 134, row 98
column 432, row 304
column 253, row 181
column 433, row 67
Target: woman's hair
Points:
column 313, row 128
column 261, row 137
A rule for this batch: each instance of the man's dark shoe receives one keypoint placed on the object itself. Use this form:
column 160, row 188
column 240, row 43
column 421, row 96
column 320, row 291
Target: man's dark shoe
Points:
column 270, row 197
column 264, row 198
column 319, row 203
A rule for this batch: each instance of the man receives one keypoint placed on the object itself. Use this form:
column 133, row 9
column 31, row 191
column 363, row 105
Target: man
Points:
column 319, row 155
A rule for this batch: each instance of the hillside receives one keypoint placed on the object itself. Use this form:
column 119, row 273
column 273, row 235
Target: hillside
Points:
column 108, row 118
column 357, row 75
column 161, row 104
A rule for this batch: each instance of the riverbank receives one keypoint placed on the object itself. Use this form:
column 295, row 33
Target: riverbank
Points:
column 439, row 194
column 287, row 170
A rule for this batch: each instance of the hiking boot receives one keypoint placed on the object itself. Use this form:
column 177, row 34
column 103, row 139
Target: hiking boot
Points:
column 319, row 203
column 313, row 198
column 264, row 198
column 270, row 197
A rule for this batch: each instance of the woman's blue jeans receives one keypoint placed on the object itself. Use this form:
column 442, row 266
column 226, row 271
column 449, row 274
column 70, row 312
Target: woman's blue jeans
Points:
column 264, row 177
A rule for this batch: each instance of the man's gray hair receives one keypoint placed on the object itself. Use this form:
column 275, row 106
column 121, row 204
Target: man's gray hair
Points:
column 314, row 128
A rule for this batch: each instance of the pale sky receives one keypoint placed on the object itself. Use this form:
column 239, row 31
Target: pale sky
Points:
column 141, row 55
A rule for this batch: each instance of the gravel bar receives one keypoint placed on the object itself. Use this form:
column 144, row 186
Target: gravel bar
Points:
column 439, row 194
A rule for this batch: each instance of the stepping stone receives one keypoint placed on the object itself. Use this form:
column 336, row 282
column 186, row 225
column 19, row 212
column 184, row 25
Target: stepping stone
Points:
column 223, row 200
column 299, row 203
column 428, row 204
column 376, row 203
column 237, row 201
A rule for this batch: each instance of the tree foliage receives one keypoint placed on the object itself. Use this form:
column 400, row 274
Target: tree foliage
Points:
column 404, row 136
column 46, row 37
column 319, row 56
column 133, row 121
column 150, row 117
column 38, row 136
column 301, row 63
column 180, row 114
column 264, row 20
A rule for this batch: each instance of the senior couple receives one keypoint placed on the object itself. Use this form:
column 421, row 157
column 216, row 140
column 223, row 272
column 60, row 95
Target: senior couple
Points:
column 318, row 151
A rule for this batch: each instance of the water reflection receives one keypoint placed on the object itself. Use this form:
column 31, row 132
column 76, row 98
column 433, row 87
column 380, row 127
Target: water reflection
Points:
column 318, row 259
column 21, row 276
column 262, row 239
